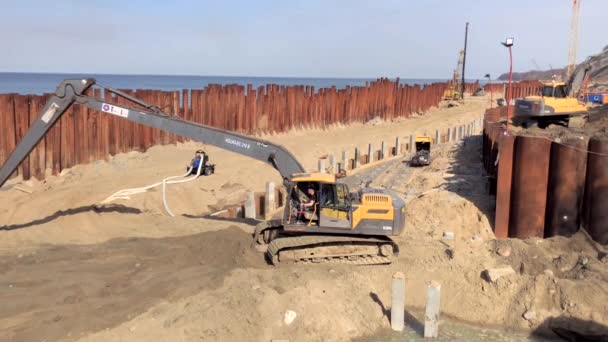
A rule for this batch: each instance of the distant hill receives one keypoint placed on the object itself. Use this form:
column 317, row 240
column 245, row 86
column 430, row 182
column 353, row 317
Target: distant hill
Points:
column 596, row 64
column 534, row 75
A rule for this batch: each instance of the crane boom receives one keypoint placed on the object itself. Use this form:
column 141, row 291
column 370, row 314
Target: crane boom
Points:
column 73, row 91
column 573, row 43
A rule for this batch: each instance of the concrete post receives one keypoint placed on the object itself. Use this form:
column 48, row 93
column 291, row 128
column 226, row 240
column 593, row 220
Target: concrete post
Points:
column 454, row 134
column 397, row 146
column 383, row 150
column 449, row 134
column 322, row 165
column 345, row 160
column 250, row 205
column 412, row 148
column 398, row 302
column 437, row 137
column 269, row 205
column 357, row 156
column 431, row 315
column 332, row 164
column 370, row 153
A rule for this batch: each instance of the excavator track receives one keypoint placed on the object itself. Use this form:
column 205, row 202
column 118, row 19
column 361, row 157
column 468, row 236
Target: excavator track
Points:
column 332, row 249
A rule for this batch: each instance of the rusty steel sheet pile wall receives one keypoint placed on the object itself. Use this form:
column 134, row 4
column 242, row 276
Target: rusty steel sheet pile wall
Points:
column 84, row 135
column 520, row 89
column 529, row 187
column 524, row 88
column 543, row 187
column 566, row 188
column 596, row 191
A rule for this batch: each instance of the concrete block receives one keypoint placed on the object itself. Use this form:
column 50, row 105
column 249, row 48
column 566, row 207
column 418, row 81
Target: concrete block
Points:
column 269, row 205
column 412, row 149
column 250, row 205
column 493, row 274
column 322, row 165
column 383, row 151
column 449, row 137
column 398, row 302
column 431, row 314
column 397, row 146
column 357, row 158
column 370, row 153
column 437, row 137
column 345, row 160
column 332, row 163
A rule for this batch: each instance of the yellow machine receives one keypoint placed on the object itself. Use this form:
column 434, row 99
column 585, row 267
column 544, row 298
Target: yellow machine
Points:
column 552, row 106
column 451, row 93
column 339, row 227
column 423, row 151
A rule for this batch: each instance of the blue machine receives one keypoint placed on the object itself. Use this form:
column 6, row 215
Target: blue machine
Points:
column 594, row 98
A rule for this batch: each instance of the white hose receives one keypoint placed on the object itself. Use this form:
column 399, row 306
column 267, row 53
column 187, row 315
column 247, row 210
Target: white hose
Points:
column 126, row 193
column 166, row 181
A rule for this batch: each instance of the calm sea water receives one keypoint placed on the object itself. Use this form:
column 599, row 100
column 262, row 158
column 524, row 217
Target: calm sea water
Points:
column 33, row 83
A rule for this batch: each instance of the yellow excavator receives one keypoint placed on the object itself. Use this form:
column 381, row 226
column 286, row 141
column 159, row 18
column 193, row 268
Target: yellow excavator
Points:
column 322, row 220
column 552, row 106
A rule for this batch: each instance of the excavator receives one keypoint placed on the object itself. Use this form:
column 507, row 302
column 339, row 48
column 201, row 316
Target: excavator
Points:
column 341, row 227
column 553, row 105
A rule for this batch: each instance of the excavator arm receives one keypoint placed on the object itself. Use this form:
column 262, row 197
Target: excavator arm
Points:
column 73, row 91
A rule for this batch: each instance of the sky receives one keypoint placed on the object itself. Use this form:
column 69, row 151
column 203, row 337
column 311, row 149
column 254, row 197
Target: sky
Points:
column 313, row 38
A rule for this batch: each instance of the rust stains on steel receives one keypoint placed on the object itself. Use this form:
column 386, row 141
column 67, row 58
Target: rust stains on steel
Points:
column 84, row 135
column 596, row 214
column 503, row 187
column 566, row 187
column 529, row 189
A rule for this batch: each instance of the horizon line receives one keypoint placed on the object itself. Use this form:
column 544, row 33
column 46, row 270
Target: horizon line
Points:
column 232, row 76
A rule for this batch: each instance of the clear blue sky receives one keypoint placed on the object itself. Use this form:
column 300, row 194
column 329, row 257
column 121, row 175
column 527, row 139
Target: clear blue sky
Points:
column 315, row 38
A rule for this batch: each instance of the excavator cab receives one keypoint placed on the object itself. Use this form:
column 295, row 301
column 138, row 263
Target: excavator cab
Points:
column 331, row 201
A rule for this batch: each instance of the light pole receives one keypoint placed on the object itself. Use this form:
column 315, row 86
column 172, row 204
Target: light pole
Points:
column 489, row 86
column 509, row 43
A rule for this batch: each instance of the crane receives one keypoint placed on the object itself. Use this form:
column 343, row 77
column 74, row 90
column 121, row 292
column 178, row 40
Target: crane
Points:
column 338, row 226
column 573, row 44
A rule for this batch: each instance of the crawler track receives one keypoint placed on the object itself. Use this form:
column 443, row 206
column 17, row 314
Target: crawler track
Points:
column 332, row 249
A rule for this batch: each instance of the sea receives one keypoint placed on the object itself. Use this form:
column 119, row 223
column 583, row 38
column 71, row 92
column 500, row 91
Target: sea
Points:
column 41, row 83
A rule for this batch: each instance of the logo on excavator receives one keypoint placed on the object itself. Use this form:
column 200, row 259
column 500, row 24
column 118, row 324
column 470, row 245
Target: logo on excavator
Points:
column 50, row 113
column 108, row 108
column 237, row 143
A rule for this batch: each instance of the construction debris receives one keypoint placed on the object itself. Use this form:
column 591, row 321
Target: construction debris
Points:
column 290, row 316
column 504, row 251
column 493, row 274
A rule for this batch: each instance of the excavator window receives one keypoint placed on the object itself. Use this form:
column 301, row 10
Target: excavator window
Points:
column 548, row 91
column 560, row 92
column 342, row 196
column 328, row 198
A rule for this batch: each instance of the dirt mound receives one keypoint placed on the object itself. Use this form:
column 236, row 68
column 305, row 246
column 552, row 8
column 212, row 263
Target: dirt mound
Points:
column 116, row 280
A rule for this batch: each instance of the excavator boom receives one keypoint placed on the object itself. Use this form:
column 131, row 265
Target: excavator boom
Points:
column 73, row 91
